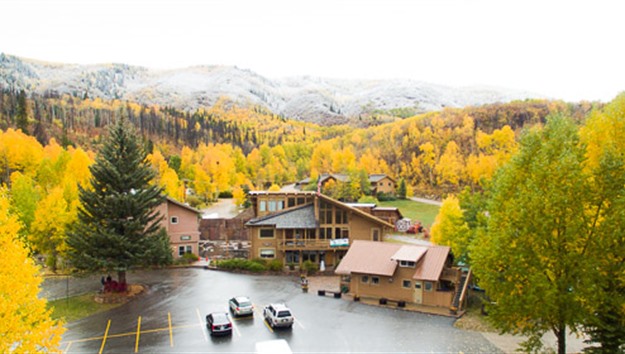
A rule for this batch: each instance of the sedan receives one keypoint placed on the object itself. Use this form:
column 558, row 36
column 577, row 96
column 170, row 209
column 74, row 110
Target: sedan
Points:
column 241, row 306
column 218, row 323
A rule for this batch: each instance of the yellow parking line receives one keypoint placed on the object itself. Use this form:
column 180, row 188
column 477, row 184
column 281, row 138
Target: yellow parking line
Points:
column 138, row 334
column 199, row 319
column 171, row 334
column 108, row 325
column 268, row 326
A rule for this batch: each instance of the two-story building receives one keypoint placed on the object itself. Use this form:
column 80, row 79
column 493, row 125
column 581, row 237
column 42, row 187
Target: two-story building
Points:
column 421, row 275
column 182, row 224
column 299, row 226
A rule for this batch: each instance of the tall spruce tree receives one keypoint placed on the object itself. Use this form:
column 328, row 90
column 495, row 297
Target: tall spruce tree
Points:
column 118, row 225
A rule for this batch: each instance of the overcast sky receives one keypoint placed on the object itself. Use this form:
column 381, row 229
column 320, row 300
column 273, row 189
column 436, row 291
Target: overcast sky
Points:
column 572, row 50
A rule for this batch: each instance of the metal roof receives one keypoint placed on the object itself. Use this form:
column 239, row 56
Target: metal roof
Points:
column 369, row 257
column 409, row 253
column 297, row 218
column 432, row 264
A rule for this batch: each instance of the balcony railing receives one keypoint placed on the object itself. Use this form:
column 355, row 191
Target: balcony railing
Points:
column 313, row 244
column 451, row 274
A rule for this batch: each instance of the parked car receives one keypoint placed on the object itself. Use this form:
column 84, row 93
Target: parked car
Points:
column 218, row 323
column 278, row 315
column 241, row 306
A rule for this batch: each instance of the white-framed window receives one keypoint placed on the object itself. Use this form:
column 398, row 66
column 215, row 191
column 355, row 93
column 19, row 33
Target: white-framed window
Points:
column 406, row 284
column 184, row 249
column 375, row 280
column 266, row 233
column 173, row 219
column 407, row 264
column 267, row 253
column 364, row 279
column 428, row 286
column 417, row 285
column 262, row 206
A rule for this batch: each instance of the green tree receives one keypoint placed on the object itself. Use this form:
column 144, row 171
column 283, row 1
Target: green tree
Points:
column 401, row 189
column 118, row 226
column 21, row 114
column 532, row 260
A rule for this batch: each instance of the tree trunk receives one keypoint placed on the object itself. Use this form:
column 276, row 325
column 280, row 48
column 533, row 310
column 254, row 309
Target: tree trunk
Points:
column 121, row 275
column 560, row 333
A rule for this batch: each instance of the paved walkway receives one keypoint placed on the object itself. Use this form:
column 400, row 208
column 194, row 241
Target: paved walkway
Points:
column 426, row 201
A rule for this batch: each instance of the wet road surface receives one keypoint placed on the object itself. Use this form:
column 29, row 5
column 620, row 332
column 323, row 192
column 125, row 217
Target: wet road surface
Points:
column 170, row 318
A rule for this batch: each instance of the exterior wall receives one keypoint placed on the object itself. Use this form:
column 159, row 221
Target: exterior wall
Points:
column 182, row 226
column 437, row 298
column 264, row 243
column 362, row 229
column 385, row 185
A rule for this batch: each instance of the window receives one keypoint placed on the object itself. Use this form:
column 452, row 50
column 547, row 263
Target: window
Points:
column 375, row 280
column 272, row 205
column 364, row 279
column 184, row 249
column 173, row 220
column 406, row 284
column 428, row 286
column 185, row 238
column 267, row 253
column 266, row 233
column 407, row 264
column 262, row 206
column 417, row 285
column 291, row 202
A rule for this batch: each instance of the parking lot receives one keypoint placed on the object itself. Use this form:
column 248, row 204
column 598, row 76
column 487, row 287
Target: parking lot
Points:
column 170, row 317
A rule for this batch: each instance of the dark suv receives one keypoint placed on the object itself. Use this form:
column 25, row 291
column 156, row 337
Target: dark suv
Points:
column 218, row 323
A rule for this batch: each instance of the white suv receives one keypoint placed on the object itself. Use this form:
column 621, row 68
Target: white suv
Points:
column 278, row 315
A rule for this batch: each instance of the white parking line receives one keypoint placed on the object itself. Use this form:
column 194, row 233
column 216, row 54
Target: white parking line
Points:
column 236, row 329
column 199, row 317
column 299, row 323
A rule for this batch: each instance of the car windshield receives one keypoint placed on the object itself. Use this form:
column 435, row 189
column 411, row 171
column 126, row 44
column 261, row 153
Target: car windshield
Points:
column 284, row 314
column 245, row 303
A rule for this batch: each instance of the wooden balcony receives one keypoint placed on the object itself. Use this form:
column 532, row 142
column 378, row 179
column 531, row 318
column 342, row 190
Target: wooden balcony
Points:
column 451, row 274
column 312, row 245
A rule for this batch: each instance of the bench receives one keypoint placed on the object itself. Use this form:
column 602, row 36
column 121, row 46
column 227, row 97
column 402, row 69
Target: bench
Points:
column 399, row 303
column 336, row 294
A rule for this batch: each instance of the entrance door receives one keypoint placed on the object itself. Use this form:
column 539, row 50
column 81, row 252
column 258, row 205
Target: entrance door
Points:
column 418, row 292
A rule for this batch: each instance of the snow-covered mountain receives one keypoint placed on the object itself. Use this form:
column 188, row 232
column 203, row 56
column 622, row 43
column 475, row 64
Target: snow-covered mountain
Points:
column 319, row 100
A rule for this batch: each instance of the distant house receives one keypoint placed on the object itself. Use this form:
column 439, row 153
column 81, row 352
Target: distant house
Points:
column 380, row 183
column 388, row 214
column 182, row 224
column 308, row 226
column 408, row 273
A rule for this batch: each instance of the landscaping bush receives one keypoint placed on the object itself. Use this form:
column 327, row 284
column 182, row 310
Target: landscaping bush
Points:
column 275, row 265
column 310, row 267
column 186, row 258
column 384, row 197
column 255, row 265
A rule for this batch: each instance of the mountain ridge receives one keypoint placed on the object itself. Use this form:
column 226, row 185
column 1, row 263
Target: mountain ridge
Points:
column 314, row 99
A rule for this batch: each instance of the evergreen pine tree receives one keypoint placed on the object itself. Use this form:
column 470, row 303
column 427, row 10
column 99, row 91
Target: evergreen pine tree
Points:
column 118, row 225
column 401, row 190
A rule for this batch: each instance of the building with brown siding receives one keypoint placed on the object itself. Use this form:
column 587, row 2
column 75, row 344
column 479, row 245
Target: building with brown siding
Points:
column 408, row 273
column 381, row 183
column 182, row 225
column 299, row 226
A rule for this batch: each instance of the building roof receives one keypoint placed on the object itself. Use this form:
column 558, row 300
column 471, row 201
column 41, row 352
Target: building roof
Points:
column 182, row 205
column 379, row 177
column 357, row 211
column 409, row 253
column 432, row 264
column 369, row 257
column 302, row 217
column 380, row 258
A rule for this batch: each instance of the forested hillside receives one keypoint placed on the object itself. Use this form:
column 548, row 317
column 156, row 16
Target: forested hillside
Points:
column 225, row 147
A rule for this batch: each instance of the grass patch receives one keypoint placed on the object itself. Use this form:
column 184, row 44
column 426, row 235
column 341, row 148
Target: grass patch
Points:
column 77, row 307
column 426, row 213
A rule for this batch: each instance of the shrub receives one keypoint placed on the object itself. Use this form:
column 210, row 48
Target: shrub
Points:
column 310, row 266
column 275, row 265
column 255, row 265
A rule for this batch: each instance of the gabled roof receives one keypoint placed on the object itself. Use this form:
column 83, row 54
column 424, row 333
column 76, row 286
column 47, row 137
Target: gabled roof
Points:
column 432, row 264
column 357, row 211
column 379, row 177
column 302, row 217
column 377, row 258
column 369, row 257
column 182, row 205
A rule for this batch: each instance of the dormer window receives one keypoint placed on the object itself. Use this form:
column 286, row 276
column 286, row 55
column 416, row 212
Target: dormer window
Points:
column 407, row 264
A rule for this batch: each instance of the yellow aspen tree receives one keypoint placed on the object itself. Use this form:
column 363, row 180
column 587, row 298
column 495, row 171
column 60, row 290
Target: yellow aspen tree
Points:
column 450, row 167
column 450, row 229
column 26, row 323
